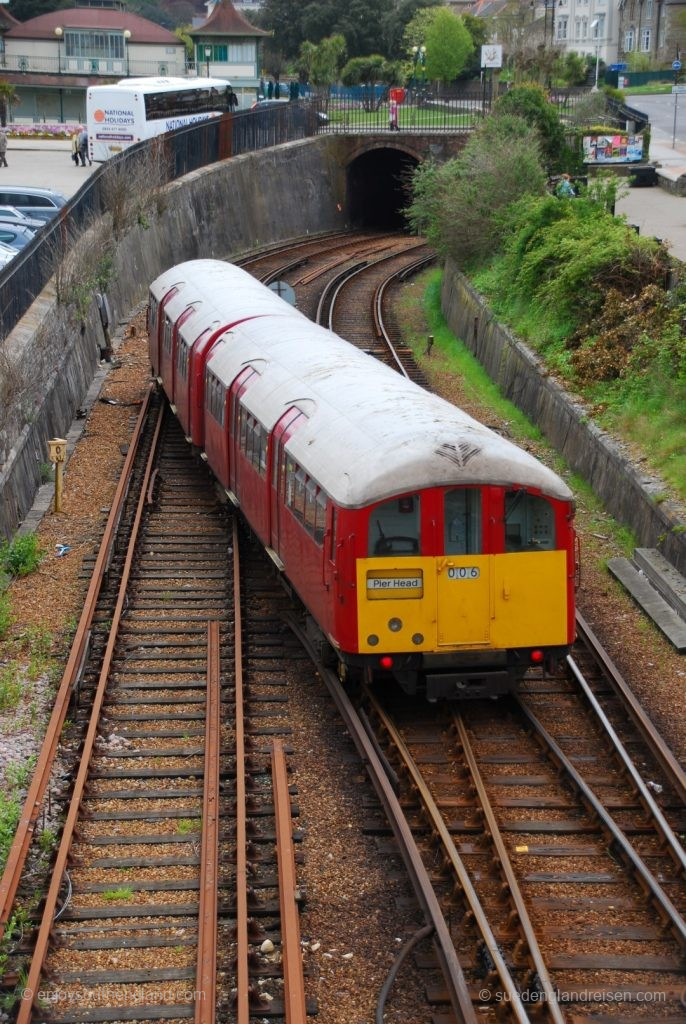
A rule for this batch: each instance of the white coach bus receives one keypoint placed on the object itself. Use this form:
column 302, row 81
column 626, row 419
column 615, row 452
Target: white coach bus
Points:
column 134, row 109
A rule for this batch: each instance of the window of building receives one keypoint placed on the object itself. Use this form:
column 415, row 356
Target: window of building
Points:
column 577, row 28
column 649, row 10
column 529, row 522
column 462, row 515
column 599, row 30
column 645, row 40
column 561, row 28
column 629, row 39
column 394, row 527
column 102, row 45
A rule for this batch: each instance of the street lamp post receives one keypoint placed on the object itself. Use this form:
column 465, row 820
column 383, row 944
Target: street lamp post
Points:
column 418, row 58
column 594, row 27
column 127, row 36
column 208, row 55
column 59, row 32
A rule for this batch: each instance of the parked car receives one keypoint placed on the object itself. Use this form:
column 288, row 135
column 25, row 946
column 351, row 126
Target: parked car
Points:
column 39, row 203
column 265, row 104
column 7, row 253
column 13, row 214
column 16, row 234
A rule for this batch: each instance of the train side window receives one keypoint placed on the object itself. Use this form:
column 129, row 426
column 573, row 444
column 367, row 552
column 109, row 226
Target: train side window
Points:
column 152, row 315
column 529, row 522
column 394, row 527
column 299, row 494
column 310, row 506
column 320, row 517
column 462, row 515
column 290, row 483
column 167, row 334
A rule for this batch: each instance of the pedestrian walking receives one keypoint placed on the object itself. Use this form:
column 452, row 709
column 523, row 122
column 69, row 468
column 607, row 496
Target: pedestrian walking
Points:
column 393, row 116
column 3, row 148
column 83, row 147
column 75, row 146
column 565, row 189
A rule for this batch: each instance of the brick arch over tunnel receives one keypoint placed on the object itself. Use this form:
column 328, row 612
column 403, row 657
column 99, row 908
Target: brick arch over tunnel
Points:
column 378, row 180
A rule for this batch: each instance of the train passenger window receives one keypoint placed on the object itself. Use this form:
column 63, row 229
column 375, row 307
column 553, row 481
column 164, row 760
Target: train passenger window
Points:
column 299, row 494
column 310, row 505
column 320, row 517
column 152, row 315
column 529, row 522
column 167, row 334
column 182, row 361
column 289, row 475
column 394, row 527
column 462, row 514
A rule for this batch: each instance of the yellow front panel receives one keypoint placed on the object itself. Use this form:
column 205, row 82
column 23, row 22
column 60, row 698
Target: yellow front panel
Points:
column 401, row 589
column 464, row 600
column 530, row 599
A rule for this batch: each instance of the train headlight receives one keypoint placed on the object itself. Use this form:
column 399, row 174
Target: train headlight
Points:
column 418, row 639
column 372, row 639
column 395, row 625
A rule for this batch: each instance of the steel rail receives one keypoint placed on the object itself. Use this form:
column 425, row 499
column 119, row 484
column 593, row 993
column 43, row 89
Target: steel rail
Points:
column 652, row 888
column 243, row 993
column 30, row 990
column 537, row 961
column 676, row 850
column 662, row 754
column 78, row 654
column 340, row 280
column 373, row 246
column 377, row 306
column 458, row 993
column 295, row 1007
column 206, row 969
column 470, row 894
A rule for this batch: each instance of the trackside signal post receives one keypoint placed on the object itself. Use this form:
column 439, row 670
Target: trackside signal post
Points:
column 58, row 455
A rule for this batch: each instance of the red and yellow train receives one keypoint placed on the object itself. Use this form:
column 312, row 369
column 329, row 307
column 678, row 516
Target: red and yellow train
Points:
column 424, row 547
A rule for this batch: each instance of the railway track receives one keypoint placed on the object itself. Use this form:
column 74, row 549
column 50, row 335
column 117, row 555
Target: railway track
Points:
column 154, row 872
column 180, row 876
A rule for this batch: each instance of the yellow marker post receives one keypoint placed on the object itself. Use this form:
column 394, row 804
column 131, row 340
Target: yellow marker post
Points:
column 58, row 455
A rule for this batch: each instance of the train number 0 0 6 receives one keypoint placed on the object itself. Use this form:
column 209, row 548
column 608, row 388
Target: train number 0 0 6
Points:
column 464, row 572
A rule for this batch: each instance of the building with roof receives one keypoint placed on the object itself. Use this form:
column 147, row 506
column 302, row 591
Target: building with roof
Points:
column 52, row 59
column 226, row 45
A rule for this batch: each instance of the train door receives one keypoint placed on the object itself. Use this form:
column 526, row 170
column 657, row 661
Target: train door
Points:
column 276, row 469
column 238, row 387
column 155, row 335
column 463, row 584
column 171, row 391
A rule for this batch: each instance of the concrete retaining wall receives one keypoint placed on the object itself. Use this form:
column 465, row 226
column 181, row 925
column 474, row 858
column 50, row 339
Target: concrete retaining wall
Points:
column 631, row 497
column 218, row 211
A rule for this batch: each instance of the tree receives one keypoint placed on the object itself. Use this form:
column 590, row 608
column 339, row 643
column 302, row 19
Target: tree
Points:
column 448, row 46
column 369, row 71
column 8, row 97
column 480, row 29
column 462, row 205
column 448, row 42
column 531, row 103
column 319, row 65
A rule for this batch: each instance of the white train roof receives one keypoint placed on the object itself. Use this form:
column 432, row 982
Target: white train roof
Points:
column 370, row 433
column 214, row 286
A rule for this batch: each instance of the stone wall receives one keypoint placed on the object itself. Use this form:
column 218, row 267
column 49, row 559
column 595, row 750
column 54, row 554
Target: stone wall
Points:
column 216, row 212
column 633, row 498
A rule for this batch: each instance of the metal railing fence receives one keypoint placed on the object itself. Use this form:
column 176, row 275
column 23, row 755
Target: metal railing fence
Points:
column 184, row 150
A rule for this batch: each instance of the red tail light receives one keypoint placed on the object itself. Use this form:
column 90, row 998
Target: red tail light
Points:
column 386, row 661
column 536, row 657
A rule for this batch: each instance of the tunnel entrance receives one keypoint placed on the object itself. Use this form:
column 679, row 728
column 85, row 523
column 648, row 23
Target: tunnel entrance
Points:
column 378, row 188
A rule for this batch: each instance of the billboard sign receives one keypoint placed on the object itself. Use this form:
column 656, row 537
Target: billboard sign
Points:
column 612, row 149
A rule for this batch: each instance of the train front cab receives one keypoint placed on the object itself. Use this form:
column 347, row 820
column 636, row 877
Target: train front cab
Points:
column 460, row 591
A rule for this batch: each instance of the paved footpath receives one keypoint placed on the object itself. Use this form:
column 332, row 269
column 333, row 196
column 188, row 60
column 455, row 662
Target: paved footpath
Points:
column 48, row 163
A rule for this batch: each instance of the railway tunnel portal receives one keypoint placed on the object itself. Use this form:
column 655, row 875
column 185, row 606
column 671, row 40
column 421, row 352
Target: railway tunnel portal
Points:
column 379, row 171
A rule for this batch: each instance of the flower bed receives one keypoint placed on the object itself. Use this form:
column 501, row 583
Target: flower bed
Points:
column 40, row 131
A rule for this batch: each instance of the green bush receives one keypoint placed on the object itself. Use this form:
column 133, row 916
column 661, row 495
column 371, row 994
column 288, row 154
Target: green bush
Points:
column 460, row 205
column 22, row 556
column 531, row 103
